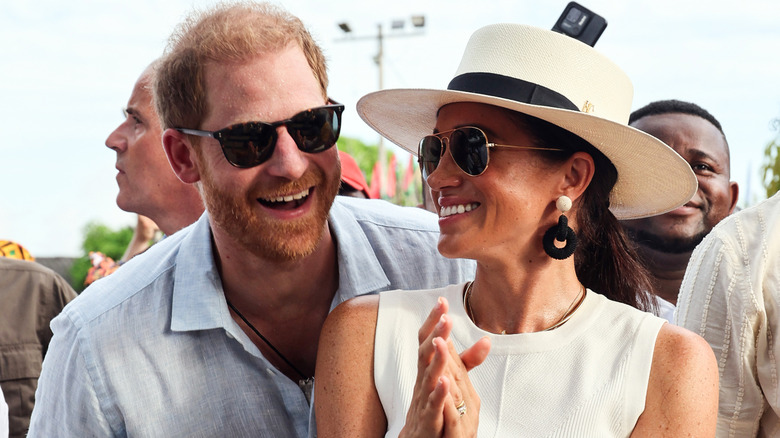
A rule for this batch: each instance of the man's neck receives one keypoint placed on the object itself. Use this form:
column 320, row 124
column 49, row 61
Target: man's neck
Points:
column 287, row 302
column 666, row 270
column 177, row 217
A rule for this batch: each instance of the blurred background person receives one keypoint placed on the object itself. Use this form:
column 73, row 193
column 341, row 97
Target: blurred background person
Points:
column 31, row 295
column 147, row 184
column 353, row 182
column 665, row 242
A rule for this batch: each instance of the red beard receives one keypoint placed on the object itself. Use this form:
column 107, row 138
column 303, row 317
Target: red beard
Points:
column 264, row 236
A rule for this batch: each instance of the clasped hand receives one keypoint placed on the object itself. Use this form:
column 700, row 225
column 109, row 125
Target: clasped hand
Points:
column 444, row 403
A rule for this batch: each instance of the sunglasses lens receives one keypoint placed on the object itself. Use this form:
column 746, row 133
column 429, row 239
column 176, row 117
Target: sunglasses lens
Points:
column 468, row 147
column 250, row 144
column 247, row 144
column 315, row 130
column 429, row 154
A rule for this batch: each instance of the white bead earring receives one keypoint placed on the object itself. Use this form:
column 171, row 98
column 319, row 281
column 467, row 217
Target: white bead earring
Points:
column 560, row 232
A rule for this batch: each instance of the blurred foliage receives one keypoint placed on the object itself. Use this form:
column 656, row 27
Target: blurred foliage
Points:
column 367, row 156
column 770, row 168
column 98, row 237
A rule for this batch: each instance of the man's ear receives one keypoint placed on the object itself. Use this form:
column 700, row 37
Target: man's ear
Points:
column 734, row 192
column 578, row 172
column 181, row 156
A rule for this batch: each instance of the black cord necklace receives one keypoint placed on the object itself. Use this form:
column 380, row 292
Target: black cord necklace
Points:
column 305, row 383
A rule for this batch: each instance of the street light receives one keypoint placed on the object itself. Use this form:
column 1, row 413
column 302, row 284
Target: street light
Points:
column 345, row 27
column 397, row 26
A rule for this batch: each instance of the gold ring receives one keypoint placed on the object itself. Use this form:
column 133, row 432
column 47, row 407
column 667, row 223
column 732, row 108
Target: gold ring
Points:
column 461, row 407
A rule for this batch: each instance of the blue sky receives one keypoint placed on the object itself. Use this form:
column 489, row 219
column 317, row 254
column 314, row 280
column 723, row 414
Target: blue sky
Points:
column 68, row 68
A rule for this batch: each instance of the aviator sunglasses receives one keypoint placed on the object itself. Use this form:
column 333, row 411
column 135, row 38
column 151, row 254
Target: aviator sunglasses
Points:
column 468, row 146
column 250, row 144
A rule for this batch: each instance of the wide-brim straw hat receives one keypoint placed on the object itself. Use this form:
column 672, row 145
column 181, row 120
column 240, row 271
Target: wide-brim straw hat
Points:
column 555, row 78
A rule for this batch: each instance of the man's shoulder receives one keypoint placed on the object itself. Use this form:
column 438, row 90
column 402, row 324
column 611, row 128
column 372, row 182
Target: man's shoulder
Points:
column 377, row 212
column 756, row 225
column 33, row 277
column 17, row 265
column 147, row 273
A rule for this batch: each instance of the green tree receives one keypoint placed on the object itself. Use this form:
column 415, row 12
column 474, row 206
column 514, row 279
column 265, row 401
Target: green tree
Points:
column 98, row 237
column 367, row 155
column 770, row 169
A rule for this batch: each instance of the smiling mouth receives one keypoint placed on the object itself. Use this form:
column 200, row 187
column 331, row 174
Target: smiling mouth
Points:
column 457, row 209
column 285, row 202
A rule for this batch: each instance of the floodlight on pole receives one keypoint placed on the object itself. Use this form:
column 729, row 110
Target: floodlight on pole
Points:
column 345, row 27
column 418, row 22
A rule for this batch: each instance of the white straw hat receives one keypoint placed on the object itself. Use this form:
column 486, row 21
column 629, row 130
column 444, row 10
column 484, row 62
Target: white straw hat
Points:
column 558, row 79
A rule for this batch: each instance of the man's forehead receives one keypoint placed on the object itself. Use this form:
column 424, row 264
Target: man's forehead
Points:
column 266, row 87
column 685, row 132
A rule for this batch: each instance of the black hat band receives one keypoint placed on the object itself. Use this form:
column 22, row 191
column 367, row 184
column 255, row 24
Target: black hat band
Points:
column 506, row 87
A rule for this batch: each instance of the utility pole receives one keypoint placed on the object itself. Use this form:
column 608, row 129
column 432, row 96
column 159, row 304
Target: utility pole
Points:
column 418, row 23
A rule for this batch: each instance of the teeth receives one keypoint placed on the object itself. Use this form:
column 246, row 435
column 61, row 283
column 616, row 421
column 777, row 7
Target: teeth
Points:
column 457, row 209
column 289, row 198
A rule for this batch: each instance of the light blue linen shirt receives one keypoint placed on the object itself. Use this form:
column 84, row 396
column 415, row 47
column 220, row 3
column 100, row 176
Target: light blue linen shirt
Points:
column 3, row 416
column 152, row 351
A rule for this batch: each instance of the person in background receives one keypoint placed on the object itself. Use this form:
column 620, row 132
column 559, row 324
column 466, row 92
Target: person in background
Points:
column 31, row 295
column 730, row 296
column 530, row 164
column 12, row 250
column 665, row 241
column 147, row 185
column 145, row 234
column 353, row 182
column 214, row 330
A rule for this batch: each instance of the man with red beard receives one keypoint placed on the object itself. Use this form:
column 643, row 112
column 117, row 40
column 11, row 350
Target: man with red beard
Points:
column 665, row 242
column 214, row 332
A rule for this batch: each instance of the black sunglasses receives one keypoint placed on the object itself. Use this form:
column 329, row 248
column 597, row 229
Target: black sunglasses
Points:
column 252, row 143
column 468, row 146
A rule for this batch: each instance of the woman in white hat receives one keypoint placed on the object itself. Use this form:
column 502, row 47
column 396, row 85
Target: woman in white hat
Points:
column 530, row 163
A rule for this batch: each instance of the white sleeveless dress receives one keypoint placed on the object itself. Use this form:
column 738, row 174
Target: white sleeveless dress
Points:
column 587, row 378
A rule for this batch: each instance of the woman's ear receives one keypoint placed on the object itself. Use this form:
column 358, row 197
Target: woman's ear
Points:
column 579, row 170
column 181, row 156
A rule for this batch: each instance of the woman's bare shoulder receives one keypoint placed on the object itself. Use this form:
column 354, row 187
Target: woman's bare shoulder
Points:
column 682, row 393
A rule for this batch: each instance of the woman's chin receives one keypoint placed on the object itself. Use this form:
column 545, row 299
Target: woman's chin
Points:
column 453, row 248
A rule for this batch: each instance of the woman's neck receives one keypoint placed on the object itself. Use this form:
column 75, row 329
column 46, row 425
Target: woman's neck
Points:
column 523, row 297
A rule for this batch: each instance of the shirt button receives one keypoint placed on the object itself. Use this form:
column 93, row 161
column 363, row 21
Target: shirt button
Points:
column 270, row 372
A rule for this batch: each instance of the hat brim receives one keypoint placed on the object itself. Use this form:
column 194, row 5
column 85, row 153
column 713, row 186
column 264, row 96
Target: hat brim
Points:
column 652, row 178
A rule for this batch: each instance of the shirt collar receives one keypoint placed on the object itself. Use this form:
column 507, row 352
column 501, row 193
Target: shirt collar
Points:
column 198, row 297
column 360, row 272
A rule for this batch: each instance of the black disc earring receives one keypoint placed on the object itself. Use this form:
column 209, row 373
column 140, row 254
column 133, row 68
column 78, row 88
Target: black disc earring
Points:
column 561, row 232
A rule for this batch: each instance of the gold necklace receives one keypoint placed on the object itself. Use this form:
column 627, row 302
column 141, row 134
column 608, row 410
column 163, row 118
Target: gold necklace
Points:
column 564, row 318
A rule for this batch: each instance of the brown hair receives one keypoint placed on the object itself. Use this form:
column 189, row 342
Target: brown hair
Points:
column 605, row 259
column 228, row 32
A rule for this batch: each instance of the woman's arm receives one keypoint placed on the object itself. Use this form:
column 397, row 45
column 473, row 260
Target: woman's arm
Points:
column 682, row 394
column 345, row 399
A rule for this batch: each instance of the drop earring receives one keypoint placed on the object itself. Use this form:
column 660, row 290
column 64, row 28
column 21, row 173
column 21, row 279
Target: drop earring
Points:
column 561, row 232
